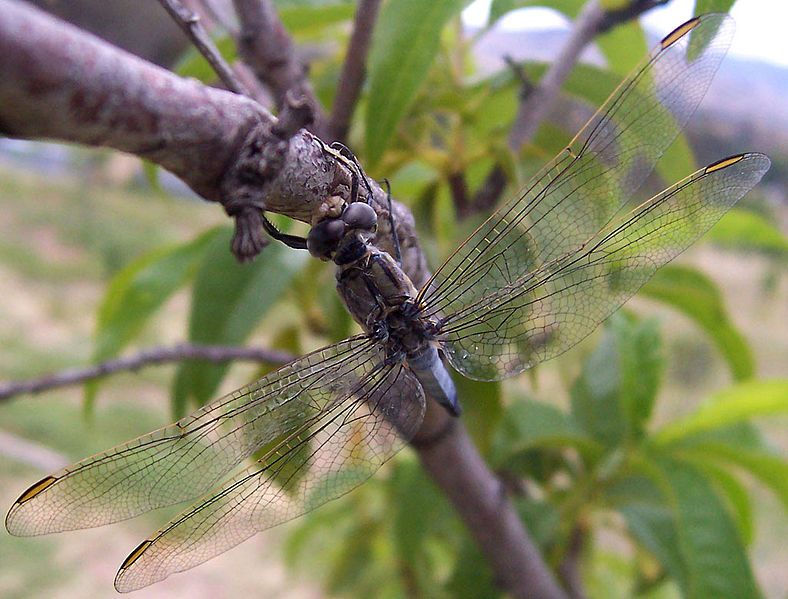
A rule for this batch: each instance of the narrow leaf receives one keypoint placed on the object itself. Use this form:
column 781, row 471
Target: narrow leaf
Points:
column 623, row 47
column 405, row 42
column 770, row 469
column 703, row 7
column 733, row 405
column 529, row 424
column 613, row 397
column 569, row 8
column 482, row 409
column 228, row 300
column 714, row 556
column 138, row 290
column 744, row 230
column 695, row 295
column 737, row 496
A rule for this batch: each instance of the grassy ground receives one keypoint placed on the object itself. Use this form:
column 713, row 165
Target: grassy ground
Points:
column 61, row 240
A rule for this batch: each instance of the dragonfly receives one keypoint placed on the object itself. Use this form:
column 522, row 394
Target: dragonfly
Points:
column 539, row 275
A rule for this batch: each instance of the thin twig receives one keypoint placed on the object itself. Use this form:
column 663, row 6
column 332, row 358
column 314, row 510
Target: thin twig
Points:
column 31, row 453
column 218, row 15
column 627, row 13
column 266, row 46
column 459, row 192
column 569, row 568
column 535, row 106
column 189, row 22
column 150, row 357
column 353, row 70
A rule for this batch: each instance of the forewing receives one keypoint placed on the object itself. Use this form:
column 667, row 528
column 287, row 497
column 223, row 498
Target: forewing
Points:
column 326, row 457
column 552, row 308
column 186, row 459
column 579, row 192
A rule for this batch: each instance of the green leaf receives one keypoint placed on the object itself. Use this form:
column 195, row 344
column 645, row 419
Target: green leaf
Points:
column 404, row 44
column 138, row 290
column 744, row 230
column 613, row 397
column 737, row 496
column 418, row 509
column 703, row 7
column 482, row 409
column 569, row 8
column 299, row 19
column 529, row 424
column 472, row 577
column 712, row 550
column 151, row 172
column 736, row 404
column 623, row 47
column 228, row 300
column 652, row 525
column 694, row 294
column 642, row 366
column 770, row 469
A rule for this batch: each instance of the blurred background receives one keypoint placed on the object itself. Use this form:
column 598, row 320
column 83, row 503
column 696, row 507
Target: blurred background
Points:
column 80, row 227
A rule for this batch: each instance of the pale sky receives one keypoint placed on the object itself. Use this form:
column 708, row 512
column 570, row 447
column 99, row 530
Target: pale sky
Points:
column 760, row 24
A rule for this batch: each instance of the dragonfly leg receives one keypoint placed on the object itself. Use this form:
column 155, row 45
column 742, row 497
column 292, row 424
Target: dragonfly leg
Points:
column 394, row 235
column 357, row 171
column 292, row 241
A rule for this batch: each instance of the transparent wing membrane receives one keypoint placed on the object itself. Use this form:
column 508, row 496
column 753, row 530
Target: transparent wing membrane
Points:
column 332, row 453
column 186, row 459
column 586, row 185
column 553, row 307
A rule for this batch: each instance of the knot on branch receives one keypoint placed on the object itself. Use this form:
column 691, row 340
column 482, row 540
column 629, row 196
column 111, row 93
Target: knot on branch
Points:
column 259, row 160
column 297, row 112
column 248, row 240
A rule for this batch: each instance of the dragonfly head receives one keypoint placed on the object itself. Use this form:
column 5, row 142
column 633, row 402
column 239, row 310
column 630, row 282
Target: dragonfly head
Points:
column 343, row 239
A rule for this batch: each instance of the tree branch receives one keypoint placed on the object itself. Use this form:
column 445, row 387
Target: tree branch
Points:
column 62, row 83
column 451, row 459
column 351, row 79
column 150, row 357
column 266, row 46
column 189, row 22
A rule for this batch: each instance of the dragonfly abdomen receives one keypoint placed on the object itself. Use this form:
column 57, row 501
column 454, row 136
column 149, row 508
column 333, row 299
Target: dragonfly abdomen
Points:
column 426, row 364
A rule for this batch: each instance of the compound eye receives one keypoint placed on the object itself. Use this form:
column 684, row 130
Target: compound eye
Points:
column 324, row 237
column 359, row 215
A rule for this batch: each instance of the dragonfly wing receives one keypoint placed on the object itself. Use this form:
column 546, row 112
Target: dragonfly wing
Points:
column 188, row 458
column 332, row 453
column 585, row 186
column 552, row 308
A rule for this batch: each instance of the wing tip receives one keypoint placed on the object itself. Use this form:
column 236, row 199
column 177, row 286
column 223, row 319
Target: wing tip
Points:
column 679, row 32
column 736, row 158
column 122, row 585
column 683, row 29
column 18, row 526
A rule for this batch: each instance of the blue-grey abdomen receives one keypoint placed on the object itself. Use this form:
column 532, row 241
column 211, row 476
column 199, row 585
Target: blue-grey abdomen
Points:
column 434, row 378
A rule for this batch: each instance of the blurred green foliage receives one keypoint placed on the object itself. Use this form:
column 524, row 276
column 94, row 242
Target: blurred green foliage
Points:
column 600, row 463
